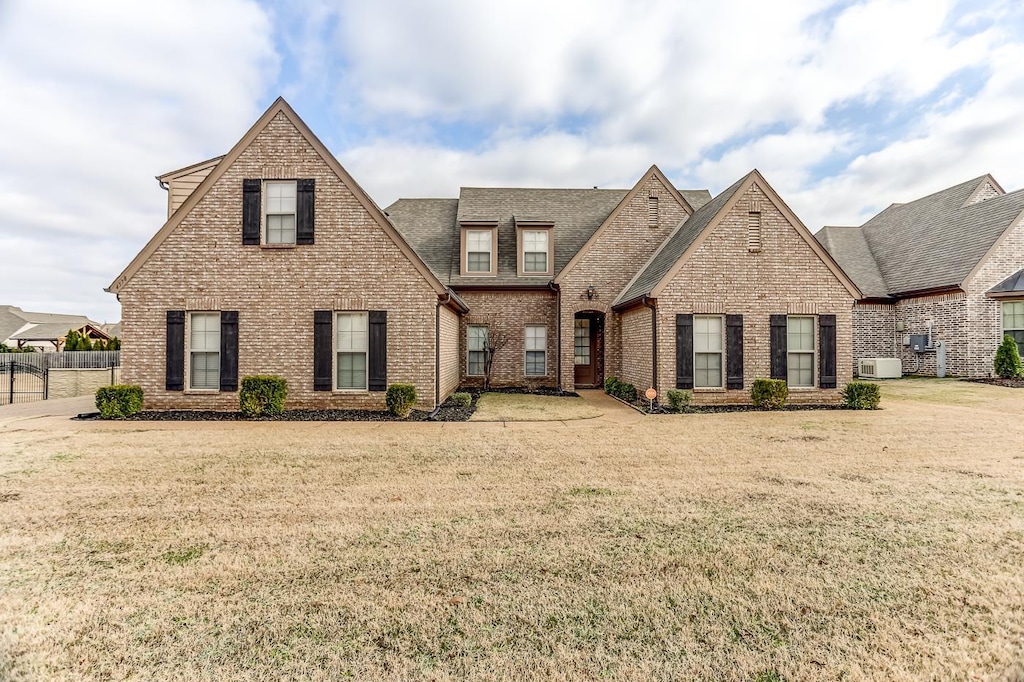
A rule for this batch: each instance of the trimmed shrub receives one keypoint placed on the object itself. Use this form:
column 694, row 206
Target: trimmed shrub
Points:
column 678, row 400
column 769, row 394
column 862, row 395
column 118, row 401
column 609, row 385
column 461, row 399
column 262, row 395
column 1008, row 364
column 400, row 398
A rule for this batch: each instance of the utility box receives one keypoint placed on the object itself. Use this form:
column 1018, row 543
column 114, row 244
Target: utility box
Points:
column 880, row 368
column 919, row 343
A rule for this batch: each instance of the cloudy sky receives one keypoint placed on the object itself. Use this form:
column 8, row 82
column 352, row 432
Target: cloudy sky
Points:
column 845, row 105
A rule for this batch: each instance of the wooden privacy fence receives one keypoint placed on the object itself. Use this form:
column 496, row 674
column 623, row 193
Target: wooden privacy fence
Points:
column 27, row 377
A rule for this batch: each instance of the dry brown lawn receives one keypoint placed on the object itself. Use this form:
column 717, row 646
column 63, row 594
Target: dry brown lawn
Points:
column 525, row 407
column 750, row 546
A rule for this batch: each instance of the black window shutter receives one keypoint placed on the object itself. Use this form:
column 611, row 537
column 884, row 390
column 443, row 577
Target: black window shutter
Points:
column 304, row 212
column 323, row 329
column 378, row 350
column 734, row 351
column 827, row 344
column 779, row 347
column 229, row 350
column 684, row 351
column 175, row 380
column 252, row 207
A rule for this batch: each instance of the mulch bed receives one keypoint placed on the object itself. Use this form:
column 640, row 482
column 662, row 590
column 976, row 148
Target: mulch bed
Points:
column 644, row 406
column 996, row 381
column 448, row 412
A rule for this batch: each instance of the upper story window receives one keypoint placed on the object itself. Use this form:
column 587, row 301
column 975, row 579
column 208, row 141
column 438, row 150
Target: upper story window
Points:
column 535, row 251
column 479, row 249
column 280, row 213
column 800, row 347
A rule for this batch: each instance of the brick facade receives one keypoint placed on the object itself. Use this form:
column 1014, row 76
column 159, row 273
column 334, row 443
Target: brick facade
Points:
column 874, row 332
column 449, row 340
column 612, row 260
column 353, row 265
column 508, row 312
column 785, row 277
column 947, row 315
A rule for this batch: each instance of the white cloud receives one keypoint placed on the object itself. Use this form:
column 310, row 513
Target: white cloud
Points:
column 100, row 99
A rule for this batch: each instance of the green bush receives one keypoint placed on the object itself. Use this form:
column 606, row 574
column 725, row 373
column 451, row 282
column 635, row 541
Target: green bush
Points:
column 1008, row 364
column 118, row 401
column 679, row 400
column 262, row 396
column 609, row 385
column 400, row 398
column 862, row 395
column 461, row 399
column 769, row 394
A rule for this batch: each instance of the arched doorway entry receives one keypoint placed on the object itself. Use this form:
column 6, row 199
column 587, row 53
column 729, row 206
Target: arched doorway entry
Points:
column 588, row 349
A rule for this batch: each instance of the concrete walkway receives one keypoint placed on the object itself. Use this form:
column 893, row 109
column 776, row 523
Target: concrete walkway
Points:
column 60, row 407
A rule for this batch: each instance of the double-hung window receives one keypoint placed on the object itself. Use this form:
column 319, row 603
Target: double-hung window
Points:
column 204, row 351
column 1013, row 322
column 800, row 347
column 535, row 251
column 280, row 213
column 536, row 350
column 478, row 251
column 476, row 342
column 707, row 351
column 350, row 346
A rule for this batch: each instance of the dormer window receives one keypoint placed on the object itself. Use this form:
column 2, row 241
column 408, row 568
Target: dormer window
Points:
column 479, row 242
column 478, row 251
column 280, row 213
column 535, row 251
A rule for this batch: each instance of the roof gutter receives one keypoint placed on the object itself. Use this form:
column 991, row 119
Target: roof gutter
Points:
column 652, row 303
column 554, row 286
column 163, row 185
column 631, row 303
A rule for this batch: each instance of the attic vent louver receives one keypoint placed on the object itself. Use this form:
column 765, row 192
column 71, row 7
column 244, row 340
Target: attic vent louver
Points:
column 754, row 231
column 652, row 211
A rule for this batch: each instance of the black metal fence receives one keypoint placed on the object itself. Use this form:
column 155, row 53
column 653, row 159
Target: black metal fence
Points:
column 24, row 377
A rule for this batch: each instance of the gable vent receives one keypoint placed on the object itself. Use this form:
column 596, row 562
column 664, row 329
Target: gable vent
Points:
column 652, row 211
column 754, row 231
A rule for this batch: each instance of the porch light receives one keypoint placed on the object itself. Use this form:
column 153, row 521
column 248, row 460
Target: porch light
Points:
column 590, row 292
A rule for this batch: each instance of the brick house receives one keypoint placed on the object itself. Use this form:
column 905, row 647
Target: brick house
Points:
column 274, row 261
column 945, row 268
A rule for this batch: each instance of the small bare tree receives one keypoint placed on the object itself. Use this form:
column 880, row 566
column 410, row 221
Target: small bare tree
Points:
column 496, row 340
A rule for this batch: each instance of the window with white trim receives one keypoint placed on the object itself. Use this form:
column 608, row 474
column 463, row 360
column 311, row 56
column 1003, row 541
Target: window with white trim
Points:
column 800, row 347
column 350, row 344
column 476, row 343
column 204, row 351
column 536, row 350
column 707, row 351
column 279, row 213
column 535, row 251
column 1013, row 322
column 478, row 250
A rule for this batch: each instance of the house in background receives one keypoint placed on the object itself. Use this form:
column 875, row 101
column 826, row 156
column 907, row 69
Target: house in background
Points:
column 658, row 286
column 945, row 270
column 44, row 331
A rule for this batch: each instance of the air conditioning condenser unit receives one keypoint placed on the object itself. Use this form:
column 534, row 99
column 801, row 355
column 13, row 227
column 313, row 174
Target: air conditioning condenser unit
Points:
column 880, row 368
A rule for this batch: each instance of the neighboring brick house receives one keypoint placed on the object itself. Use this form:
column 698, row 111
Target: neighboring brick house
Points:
column 948, row 267
column 274, row 261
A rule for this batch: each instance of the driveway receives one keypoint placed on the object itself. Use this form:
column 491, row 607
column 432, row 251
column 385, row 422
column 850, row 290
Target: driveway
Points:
column 61, row 407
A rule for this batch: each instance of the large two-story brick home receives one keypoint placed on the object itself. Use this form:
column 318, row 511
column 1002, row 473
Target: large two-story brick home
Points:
column 946, row 267
column 274, row 261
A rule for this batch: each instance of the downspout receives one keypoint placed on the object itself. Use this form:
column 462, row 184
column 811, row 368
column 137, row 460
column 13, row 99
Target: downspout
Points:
column 654, row 340
column 558, row 331
column 437, row 352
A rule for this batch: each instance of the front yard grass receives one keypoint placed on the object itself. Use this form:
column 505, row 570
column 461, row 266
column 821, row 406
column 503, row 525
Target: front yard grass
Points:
column 742, row 546
column 525, row 407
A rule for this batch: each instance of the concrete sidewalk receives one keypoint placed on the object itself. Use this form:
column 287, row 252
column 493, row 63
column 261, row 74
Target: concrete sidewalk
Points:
column 60, row 407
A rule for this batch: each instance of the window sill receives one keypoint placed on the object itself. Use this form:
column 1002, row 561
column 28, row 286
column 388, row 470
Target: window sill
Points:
column 709, row 389
column 350, row 391
column 277, row 247
column 803, row 388
column 202, row 391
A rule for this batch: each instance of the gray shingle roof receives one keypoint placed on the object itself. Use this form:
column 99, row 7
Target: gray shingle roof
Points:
column 428, row 226
column 49, row 331
column 849, row 249
column 930, row 243
column 10, row 321
column 676, row 244
column 1011, row 285
column 696, row 197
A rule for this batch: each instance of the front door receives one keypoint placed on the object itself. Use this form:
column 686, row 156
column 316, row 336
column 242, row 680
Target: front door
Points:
column 587, row 351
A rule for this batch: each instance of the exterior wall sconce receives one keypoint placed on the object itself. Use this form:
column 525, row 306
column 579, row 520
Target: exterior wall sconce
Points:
column 590, row 292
